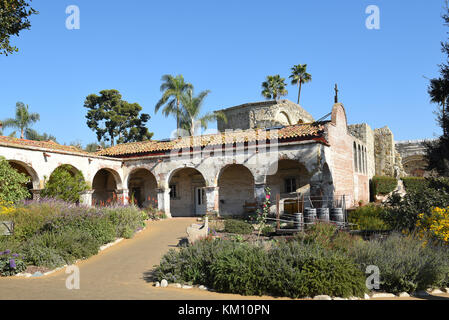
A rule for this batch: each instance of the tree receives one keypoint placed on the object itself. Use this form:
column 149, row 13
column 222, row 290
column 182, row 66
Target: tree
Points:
column 64, row 184
column 274, row 87
column 191, row 110
column 112, row 118
column 31, row 134
column 438, row 151
column 12, row 183
column 14, row 16
column 173, row 88
column 23, row 120
column 300, row 76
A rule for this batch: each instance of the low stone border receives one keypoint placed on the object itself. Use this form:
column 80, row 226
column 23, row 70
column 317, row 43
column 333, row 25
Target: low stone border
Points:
column 102, row 248
column 373, row 295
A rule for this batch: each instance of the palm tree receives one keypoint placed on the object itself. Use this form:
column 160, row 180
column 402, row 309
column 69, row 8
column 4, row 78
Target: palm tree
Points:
column 439, row 94
column 23, row 120
column 173, row 88
column 300, row 76
column 191, row 110
column 274, row 87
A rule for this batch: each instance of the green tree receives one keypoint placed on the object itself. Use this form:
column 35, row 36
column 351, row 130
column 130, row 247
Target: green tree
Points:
column 173, row 88
column 191, row 110
column 115, row 119
column 23, row 119
column 274, row 87
column 65, row 184
column 12, row 183
column 300, row 76
column 14, row 16
column 31, row 134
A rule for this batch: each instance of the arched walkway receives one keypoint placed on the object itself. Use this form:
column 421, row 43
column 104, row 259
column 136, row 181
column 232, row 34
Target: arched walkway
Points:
column 105, row 185
column 187, row 194
column 27, row 170
column 236, row 186
column 142, row 187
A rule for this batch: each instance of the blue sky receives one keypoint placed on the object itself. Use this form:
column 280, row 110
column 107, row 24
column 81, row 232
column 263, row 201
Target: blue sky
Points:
column 228, row 47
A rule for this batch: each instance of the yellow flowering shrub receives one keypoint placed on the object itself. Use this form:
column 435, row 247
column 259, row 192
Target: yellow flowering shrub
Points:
column 6, row 208
column 435, row 226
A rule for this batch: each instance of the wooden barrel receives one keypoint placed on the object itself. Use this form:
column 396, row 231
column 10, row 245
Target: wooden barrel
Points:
column 322, row 214
column 309, row 216
column 297, row 221
column 337, row 215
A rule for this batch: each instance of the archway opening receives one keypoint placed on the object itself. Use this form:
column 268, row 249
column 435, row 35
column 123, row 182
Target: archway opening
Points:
column 104, row 186
column 236, row 189
column 187, row 194
column 290, row 180
column 142, row 187
column 29, row 172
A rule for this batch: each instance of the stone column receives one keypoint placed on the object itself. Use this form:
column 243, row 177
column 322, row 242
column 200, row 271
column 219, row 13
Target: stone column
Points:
column 163, row 201
column 36, row 194
column 86, row 198
column 212, row 200
column 123, row 196
column 259, row 192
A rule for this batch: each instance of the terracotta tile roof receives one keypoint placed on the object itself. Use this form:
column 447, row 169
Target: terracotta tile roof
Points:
column 45, row 145
column 307, row 131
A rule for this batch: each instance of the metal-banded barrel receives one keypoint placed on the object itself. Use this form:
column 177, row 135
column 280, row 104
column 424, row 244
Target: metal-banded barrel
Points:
column 322, row 214
column 297, row 220
column 309, row 216
column 337, row 215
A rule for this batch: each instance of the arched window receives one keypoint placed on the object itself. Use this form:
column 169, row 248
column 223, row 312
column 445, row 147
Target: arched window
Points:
column 355, row 158
column 360, row 158
column 366, row 161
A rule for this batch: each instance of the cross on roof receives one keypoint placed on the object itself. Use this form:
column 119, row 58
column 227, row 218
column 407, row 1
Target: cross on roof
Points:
column 336, row 93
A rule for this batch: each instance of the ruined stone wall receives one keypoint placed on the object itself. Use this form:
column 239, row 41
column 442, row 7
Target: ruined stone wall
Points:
column 264, row 115
column 388, row 161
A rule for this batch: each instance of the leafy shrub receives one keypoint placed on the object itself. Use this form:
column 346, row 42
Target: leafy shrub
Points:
column 383, row 185
column 414, row 183
column 370, row 217
column 402, row 213
column 12, row 184
column 11, row 263
column 435, row 226
column 127, row 220
column 291, row 269
column 268, row 230
column 306, row 270
column 65, row 185
column 405, row 264
column 237, row 226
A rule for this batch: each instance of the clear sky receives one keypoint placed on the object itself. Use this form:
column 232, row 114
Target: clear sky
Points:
column 228, row 47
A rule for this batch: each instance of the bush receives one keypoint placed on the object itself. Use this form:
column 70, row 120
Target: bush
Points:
column 291, row 269
column 414, row 183
column 237, row 226
column 370, row 217
column 435, row 226
column 11, row 263
column 127, row 220
column 383, row 185
column 65, row 185
column 405, row 264
column 12, row 184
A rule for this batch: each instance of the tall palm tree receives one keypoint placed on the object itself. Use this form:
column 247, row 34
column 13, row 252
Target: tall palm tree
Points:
column 274, row 87
column 191, row 110
column 23, row 120
column 439, row 94
column 173, row 88
column 300, row 76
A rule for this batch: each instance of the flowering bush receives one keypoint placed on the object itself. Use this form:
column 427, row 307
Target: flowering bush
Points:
column 435, row 226
column 262, row 215
column 11, row 263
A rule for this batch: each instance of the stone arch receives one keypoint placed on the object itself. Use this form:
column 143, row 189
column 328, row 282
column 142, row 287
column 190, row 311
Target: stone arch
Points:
column 142, row 186
column 105, row 184
column 283, row 118
column 236, row 185
column 28, row 170
column 415, row 165
column 187, row 192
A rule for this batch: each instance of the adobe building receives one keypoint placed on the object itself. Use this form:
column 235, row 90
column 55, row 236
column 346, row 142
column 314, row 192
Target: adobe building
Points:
column 274, row 144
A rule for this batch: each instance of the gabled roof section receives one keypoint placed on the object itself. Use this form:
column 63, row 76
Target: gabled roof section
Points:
column 42, row 145
column 309, row 131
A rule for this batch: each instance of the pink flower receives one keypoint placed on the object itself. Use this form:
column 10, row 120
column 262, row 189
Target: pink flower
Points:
column 268, row 197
